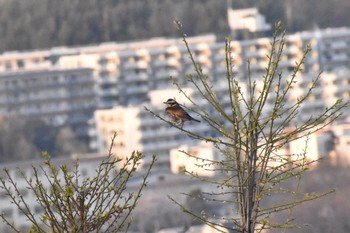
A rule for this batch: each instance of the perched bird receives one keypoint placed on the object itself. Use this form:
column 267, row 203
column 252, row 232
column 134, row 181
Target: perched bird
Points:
column 177, row 113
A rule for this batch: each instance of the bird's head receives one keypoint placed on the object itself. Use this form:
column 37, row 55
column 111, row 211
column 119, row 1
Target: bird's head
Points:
column 171, row 102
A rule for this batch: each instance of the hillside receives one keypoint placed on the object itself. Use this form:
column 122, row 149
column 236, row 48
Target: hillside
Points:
column 35, row 24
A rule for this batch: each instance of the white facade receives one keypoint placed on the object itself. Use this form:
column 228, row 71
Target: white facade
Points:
column 247, row 19
column 197, row 160
column 138, row 129
column 125, row 123
column 305, row 147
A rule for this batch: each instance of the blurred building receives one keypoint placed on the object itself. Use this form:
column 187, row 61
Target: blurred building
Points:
column 65, row 85
column 124, row 123
column 337, row 143
column 247, row 23
column 197, row 160
column 331, row 142
column 247, row 19
column 138, row 129
column 57, row 96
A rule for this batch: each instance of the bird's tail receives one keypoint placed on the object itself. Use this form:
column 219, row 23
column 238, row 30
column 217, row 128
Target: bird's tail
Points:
column 195, row 120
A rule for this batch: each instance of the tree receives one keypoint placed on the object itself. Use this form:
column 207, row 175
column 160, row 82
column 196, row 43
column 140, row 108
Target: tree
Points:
column 258, row 120
column 24, row 139
column 67, row 143
column 15, row 142
column 73, row 204
column 38, row 133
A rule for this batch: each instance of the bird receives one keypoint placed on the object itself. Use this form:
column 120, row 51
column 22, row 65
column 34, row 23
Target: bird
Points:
column 177, row 113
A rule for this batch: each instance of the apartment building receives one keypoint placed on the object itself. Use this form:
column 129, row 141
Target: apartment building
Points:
column 158, row 138
column 123, row 74
column 58, row 97
column 196, row 160
column 65, row 85
column 138, row 129
column 119, row 125
column 334, row 48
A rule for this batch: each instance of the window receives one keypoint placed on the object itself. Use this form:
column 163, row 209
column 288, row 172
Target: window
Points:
column 20, row 64
column 8, row 66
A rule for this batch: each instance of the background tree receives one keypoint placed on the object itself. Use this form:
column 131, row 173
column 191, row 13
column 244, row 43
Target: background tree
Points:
column 22, row 139
column 259, row 120
column 67, row 143
column 14, row 143
column 195, row 203
column 34, row 24
column 72, row 203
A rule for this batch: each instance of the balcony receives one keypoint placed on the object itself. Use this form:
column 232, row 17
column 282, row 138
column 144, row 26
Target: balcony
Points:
column 171, row 61
column 294, row 50
column 341, row 89
column 92, row 132
column 108, row 92
column 136, row 77
column 108, row 67
column 161, row 132
column 136, row 65
column 339, row 58
column 151, row 121
column 289, row 63
column 131, row 90
column 339, row 45
column 259, row 65
column 257, row 53
column 203, row 59
column 165, row 74
column 93, row 145
column 220, row 57
column 104, row 104
column 156, row 146
column 107, row 80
